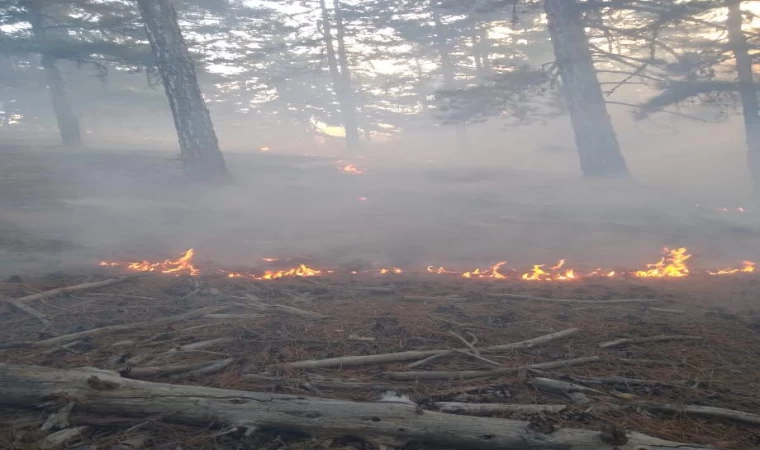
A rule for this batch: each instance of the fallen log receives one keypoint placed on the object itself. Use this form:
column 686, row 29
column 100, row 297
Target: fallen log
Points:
column 384, row 358
column 66, row 338
column 701, row 411
column 18, row 304
column 162, row 371
column 646, row 340
column 487, row 409
column 104, row 392
column 256, row 303
column 324, row 383
column 469, row 374
column 619, row 381
column 75, row 288
column 569, row 301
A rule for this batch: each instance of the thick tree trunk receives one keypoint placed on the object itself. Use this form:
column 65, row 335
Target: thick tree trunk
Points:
column 340, row 73
column 202, row 159
column 68, row 124
column 747, row 89
column 104, row 392
column 595, row 138
column 447, row 68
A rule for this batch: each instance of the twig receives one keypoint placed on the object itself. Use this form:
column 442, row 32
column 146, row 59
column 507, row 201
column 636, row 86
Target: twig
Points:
column 425, row 297
column 209, row 369
column 702, row 411
column 235, row 316
column 645, row 340
column 58, row 340
column 383, row 358
column 424, row 361
column 479, row 358
column 468, row 374
column 16, row 303
column 469, row 345
column 572, row 301
column 667, row 311
column 75, row 288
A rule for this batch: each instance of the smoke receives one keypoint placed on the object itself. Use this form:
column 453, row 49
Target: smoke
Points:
column 512, row 195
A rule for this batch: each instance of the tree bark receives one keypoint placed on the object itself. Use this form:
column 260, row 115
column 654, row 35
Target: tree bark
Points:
column 201, row 157
column 598, row 148
column 68, row 124
column 340, row 73
column 747, row 92
column 104, row 392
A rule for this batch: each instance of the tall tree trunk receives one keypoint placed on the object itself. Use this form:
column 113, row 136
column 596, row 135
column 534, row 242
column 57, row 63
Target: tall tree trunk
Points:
column 68, row 124
column 598, row 148
column 747, row 89
column 340, row 74
column 447, row 67
column 351, row 123
column 201, row 157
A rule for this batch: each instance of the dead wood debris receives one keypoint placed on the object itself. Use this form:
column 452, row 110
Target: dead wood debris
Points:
column 669, row 391
column 646, row 340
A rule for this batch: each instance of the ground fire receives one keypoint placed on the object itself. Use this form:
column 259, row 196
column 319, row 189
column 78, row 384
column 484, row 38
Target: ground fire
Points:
column 673, row 264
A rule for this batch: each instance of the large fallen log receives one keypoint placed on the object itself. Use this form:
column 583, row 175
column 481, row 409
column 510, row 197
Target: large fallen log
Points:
column 384, row 358
column 104, row 392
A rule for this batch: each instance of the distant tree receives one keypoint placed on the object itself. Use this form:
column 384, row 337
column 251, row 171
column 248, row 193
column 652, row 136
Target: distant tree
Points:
column 68, row 123
column 201, row 157
column 337, row 60
column 712, row 61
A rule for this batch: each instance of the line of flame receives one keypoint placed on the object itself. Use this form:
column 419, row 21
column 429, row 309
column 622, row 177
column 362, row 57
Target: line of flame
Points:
column 673, row 264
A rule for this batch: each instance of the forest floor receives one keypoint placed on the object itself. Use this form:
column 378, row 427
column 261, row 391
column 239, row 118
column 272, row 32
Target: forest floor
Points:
column 387, row 314
column 65, row 210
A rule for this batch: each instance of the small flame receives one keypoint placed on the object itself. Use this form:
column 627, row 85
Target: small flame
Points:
column 556, row 272
column 493, row 272
column 749, row 267
column 184, row 264
column 673, row 264
column 350, row 168
column 301, row 271
column 393, row 270
column 362, row 199
column 269, row 260
column 265, row 148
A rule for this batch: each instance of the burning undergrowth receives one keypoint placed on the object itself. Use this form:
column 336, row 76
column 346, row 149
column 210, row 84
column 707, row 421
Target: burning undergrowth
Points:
column 673, row 264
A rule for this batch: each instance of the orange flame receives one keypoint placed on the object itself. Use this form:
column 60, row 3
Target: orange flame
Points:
column 493, row 272
column 301, row 271
column 749, row 267
column 555, row 272
column 184, row 264
column 393, row 270
column 672, row 265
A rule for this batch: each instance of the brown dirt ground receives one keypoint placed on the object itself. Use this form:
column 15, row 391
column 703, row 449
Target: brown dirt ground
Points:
column 722, row 371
